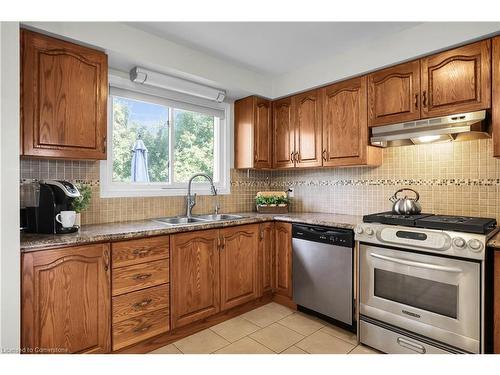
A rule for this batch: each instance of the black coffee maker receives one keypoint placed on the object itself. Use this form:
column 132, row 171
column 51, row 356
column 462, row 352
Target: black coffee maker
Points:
column 55, row 196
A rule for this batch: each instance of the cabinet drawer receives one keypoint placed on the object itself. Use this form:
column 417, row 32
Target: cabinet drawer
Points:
column 139, row 276
column 137, row 303
column 127, row 253
column 140, row 328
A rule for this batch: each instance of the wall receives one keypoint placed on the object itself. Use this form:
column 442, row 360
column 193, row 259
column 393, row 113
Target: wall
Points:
column 459, row 178
column 456, row 178
column 9, row 187
column 244, row 186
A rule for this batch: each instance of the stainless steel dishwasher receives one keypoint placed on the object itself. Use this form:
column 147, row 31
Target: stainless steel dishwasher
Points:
column 322, row 271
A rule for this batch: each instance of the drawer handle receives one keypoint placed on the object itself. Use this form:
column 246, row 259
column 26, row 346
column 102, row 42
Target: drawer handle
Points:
column 411, row 345
column 140, row 305
column 140, row 252
column 142, row 276
column 142, row 329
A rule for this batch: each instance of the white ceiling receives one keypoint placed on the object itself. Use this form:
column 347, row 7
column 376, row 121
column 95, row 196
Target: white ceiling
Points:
column 273, row 48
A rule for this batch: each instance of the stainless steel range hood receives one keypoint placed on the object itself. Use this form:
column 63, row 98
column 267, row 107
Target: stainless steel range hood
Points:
column 464, row 126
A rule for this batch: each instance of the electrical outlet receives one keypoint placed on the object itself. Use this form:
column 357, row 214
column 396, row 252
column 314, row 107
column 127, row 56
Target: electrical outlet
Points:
column 290, row 192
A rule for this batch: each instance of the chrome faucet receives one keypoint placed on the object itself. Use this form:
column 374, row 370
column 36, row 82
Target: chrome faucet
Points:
column 191, row 199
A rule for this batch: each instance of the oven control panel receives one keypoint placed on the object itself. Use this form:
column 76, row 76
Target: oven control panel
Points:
column 465, row 245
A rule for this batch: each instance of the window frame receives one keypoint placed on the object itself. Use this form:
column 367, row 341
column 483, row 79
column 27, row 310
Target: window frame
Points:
column 115, row 189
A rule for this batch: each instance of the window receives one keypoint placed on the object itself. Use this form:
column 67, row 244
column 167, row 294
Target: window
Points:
column 156, row 144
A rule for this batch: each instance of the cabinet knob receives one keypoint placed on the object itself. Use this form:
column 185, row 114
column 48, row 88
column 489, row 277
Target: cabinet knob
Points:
column 424, row 98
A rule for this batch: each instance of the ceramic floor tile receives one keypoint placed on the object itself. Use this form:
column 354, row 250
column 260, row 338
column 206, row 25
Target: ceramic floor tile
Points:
column 293, row 350
column 302, row 323
column 266, row 315
column 280, row 308
column 362, row 349
column 235, row 329
column 340, row 333
column 245, row 346
column 323, row 343
column 277, row 337
column 203, row 342
column 167, row 349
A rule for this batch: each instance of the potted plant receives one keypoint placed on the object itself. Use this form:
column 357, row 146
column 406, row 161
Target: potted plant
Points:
column 82, row 202
column 261, row 200
column 271, row 203
column 282, row 201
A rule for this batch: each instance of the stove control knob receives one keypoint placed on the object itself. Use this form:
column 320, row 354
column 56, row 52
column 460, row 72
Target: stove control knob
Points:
column 459, row 242
column 358, row 230
column 475, row 245
column 369, row 231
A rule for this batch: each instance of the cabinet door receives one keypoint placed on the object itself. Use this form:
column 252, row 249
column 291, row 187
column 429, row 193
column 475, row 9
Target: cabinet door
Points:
column 262, row 134
column 495, row 96
column 345, row 129
column 457, row 81
column 194, row 276
column 266, row 258
column 283, row 135
column 394, row 94
column 308, row 135
column 283, row 249
column 64, row 95
column 66, row 300
column 238, row 265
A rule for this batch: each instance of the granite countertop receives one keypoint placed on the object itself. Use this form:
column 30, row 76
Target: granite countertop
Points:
column 145, row 228
column 494, row 242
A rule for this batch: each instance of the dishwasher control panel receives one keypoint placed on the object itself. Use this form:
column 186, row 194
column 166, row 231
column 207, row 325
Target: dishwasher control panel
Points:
column 333, row 236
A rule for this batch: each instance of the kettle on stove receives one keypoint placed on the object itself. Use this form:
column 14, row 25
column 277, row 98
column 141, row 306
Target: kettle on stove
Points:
column 405, row 206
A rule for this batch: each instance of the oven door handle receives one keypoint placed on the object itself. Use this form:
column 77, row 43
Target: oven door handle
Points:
column 412, row 263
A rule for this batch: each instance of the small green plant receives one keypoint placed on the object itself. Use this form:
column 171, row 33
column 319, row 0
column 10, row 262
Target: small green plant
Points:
column 261, row 200
column 83, row 201
column 270, row 200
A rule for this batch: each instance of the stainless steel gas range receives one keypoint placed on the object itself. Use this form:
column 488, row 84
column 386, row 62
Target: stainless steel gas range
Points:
column 421, row 287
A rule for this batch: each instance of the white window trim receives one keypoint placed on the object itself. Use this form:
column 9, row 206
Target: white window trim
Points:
column 112, row 189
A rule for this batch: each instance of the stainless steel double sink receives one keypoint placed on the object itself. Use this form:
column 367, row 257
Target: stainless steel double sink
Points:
column 183, row 220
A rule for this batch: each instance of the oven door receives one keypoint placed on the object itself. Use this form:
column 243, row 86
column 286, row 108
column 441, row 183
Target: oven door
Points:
column 434, row 296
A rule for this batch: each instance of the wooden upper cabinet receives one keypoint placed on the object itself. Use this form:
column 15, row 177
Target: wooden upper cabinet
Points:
column 66, row 300
column 238, row 265
column 457, row 81
column 64, row 89
column 194, row 279
column 253, row 133
column 345, row 128
column 495, row 97
column 266, row 258
column 283, row 133
column 308, row 134
column 283, row 263
column 394, row 94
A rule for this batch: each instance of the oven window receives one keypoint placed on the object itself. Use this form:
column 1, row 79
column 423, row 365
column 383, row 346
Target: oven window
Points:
column 424, row 294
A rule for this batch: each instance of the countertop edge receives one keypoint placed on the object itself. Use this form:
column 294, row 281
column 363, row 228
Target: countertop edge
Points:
column 48, row 242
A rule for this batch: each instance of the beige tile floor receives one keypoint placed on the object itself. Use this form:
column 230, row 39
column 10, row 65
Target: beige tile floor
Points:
column 269, row 329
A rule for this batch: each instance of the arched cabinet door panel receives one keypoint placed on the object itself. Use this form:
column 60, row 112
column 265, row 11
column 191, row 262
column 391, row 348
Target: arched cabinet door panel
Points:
column 194, row 279
column 457, row 81
column 394, row 94
column 66, row 300
column 64, row 92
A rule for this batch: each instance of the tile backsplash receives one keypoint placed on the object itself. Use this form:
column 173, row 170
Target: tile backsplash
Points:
column 457, row 178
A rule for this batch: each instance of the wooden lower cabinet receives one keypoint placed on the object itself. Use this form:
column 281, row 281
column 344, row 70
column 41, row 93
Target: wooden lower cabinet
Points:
column 266, row 258
column 66, row 300
column 283, row 267
column 238, row 265
column 194, row 285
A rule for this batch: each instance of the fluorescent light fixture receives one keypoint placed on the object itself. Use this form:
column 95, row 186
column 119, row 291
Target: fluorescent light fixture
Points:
column 164, row 81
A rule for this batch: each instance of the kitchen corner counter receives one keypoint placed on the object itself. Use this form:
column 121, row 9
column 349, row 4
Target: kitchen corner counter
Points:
column 494, row 242
column 146, row 228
